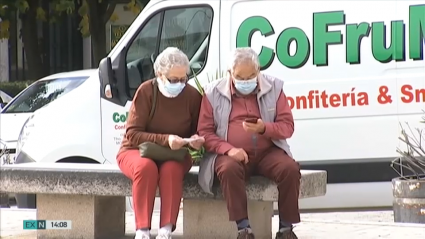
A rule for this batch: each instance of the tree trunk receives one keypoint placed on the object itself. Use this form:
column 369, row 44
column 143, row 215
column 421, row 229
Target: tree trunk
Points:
column 45, row 46
column 34, row 59
column 98, row 38
column 99, row 14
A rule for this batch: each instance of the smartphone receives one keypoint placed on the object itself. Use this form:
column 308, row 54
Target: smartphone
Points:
column 251, row 120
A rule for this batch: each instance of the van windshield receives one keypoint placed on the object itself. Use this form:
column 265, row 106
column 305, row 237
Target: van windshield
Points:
column 42, row 93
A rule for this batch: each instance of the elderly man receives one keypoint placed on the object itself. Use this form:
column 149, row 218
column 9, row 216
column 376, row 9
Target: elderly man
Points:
column 245, row 119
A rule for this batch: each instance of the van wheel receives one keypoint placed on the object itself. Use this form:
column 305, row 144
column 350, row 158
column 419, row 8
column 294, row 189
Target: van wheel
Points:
column 30, row 200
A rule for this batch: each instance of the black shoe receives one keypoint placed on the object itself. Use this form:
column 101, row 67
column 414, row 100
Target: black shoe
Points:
column 287, row 234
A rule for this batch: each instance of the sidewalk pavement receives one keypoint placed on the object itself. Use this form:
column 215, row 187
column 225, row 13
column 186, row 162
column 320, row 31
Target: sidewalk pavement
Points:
column 346, row 225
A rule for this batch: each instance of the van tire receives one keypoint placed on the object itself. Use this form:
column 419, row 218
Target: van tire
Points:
column 30, row 200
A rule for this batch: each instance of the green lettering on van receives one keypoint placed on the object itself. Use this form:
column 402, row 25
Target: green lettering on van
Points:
column 396, row 50
column 322, row 38
column 416, row 32
column 117, row 118
column 353, row 38
column 303, row 48
column 383, row 50
column 244, row 36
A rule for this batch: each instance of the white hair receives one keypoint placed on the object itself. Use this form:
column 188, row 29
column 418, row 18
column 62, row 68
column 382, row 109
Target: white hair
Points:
column 244, row 55
column 169, row 58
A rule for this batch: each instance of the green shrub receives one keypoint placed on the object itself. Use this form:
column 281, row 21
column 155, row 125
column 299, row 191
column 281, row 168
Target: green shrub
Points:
column 13, row 88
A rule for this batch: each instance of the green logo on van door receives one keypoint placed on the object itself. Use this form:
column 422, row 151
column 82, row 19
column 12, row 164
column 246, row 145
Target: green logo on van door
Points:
column 119, row 118
column 322, row 39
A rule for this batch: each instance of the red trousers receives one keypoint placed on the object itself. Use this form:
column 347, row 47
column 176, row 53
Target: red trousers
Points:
column 147, row 175
column 273, row 164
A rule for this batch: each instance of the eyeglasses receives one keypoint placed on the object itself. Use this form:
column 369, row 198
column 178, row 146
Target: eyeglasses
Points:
column 177, row 80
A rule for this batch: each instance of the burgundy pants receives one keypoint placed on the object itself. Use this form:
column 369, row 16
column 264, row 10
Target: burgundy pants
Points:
column 274, row 164
column 147, row 175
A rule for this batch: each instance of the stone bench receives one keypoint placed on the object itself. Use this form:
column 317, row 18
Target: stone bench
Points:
column 92, row 196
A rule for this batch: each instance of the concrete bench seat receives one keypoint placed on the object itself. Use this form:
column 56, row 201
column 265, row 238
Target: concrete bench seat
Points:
column 92, row 196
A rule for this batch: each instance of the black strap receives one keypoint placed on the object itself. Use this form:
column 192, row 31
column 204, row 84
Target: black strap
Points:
column 154, row 96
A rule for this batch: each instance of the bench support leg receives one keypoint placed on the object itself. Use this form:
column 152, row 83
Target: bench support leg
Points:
column 93, row 217
column 209, row 219
column 4, row 200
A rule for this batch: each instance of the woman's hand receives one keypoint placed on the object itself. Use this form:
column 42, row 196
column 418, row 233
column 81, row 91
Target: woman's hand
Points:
column 175, row 142
column 197, row 144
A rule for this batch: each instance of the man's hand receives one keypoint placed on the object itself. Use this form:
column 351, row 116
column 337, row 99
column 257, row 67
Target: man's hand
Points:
column 175, row 142
column 198, row 143
column 258, row 127
column 238, row 154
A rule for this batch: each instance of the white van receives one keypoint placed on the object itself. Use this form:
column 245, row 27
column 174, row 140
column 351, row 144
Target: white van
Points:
column 352, row 69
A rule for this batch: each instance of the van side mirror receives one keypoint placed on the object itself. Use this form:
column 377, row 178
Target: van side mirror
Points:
column 113, row 79
column 2, row 105
column 106, row 76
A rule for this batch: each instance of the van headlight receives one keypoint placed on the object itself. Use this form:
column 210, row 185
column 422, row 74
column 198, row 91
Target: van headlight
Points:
column 24, row 134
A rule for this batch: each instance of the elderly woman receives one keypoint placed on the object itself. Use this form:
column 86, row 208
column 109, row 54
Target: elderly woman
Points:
column 175, row 118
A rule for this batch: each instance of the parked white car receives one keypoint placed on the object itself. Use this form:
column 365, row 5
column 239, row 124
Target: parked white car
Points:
column 34, row 97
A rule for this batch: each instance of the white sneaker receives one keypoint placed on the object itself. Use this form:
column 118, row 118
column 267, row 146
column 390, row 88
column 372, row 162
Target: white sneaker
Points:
column 164, row 236
column 141, row 235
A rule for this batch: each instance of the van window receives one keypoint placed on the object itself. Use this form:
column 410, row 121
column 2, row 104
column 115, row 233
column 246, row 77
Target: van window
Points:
column 42, row 93
column 186, row 28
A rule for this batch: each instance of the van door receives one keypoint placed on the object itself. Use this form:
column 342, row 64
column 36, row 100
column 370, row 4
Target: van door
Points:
column 188, row 26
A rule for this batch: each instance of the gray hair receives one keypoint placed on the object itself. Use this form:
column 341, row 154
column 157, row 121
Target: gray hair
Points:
column 169, row 58
column 244, row 55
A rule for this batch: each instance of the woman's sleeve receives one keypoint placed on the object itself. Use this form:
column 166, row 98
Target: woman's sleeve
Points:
column 138, row 118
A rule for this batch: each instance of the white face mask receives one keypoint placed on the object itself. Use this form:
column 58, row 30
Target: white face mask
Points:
column 246, row 87
column 170, row 90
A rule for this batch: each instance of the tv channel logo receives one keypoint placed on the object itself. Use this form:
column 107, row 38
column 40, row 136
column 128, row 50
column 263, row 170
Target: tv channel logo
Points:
column 47, row 224
column 34, row 224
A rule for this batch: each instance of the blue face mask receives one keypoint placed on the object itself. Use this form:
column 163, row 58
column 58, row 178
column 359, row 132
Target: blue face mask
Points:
column 174, row 89
column 246, row 87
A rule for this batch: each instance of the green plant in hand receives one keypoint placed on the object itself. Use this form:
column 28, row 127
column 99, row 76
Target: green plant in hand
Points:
column 198, row 154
